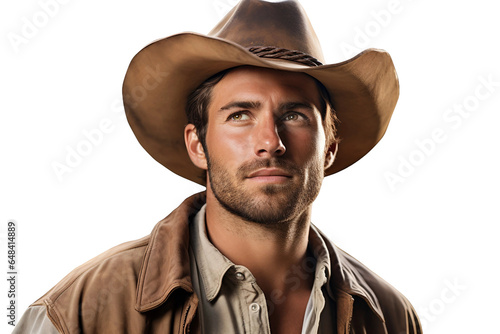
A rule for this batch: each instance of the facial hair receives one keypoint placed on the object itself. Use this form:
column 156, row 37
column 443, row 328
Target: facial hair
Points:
column 271, row 203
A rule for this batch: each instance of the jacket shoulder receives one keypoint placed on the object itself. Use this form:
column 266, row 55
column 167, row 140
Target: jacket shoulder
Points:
column 111, row 263
column 109, row 278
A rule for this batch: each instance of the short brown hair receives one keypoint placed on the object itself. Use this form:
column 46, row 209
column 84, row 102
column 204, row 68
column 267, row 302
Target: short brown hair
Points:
column 197, row 105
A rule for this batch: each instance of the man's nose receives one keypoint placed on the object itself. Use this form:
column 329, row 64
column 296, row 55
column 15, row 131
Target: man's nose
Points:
column 267, row 139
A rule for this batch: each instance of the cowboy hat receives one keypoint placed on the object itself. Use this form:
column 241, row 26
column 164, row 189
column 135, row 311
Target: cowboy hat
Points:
column 364, row 89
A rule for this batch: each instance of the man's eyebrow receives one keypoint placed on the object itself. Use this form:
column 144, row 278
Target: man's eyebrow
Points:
column 241, row 105
column 296, row 105
column 256, row 105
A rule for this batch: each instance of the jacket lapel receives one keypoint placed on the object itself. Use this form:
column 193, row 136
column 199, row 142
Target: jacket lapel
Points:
column 346, row 282
column 165, row 266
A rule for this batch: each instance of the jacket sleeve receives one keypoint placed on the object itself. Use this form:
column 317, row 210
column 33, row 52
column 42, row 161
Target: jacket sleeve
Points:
column 35, row 321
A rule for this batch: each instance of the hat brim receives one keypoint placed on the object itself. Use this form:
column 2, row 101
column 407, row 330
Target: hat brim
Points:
column 364, row 91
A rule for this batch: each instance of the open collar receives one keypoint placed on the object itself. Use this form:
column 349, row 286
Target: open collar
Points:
column 166, row 267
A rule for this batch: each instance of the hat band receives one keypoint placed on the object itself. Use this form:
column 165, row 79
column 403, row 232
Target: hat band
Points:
column 285, row 54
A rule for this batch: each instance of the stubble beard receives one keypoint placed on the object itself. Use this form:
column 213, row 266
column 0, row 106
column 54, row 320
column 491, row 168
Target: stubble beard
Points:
column 272, row 203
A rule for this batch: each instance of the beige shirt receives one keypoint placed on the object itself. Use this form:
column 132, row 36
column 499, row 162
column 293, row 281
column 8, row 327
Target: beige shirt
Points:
column 232, row 302
column 35, row 321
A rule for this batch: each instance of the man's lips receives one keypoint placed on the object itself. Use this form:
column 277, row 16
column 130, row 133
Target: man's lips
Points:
column 269, row 175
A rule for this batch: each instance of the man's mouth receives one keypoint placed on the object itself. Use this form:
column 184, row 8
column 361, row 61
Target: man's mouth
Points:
column 270, row 175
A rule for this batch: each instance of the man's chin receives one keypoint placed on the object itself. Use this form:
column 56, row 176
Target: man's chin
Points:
column 269, row 206
column 264, row 215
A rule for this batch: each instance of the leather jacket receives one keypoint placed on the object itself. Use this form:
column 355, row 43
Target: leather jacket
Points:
column 144, row 286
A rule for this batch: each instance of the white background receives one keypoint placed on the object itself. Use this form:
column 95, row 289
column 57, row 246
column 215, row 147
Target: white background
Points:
column 432, row 234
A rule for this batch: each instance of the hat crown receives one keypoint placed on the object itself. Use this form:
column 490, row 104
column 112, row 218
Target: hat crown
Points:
column 282, row 24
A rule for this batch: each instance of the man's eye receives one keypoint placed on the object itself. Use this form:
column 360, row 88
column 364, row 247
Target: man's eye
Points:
column 292, row 117
column 238, row 117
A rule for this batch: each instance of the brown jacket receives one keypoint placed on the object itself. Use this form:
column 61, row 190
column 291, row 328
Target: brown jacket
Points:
column 144, row 286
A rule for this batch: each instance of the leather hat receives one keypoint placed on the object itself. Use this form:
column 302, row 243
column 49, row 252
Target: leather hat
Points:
column 364, row 89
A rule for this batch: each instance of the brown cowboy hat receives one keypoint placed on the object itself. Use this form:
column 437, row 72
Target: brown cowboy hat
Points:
column 364, row 89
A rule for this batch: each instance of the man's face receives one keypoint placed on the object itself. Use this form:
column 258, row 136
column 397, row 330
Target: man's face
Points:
column 265, row 143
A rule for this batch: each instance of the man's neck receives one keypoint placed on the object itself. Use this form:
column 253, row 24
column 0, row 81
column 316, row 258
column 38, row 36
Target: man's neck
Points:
column 276, row 253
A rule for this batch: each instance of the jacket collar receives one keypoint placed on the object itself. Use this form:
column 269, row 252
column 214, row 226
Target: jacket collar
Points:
column 347, row 277
column 165, row 267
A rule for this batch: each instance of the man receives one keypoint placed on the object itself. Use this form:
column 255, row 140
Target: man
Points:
column 261, row 134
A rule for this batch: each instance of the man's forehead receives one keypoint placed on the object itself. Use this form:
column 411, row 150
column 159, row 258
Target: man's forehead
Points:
column 254, row 71
column 246, row 80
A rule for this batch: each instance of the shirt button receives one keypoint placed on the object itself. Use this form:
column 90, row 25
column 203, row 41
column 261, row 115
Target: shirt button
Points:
column 240, row 276
column 254, row 307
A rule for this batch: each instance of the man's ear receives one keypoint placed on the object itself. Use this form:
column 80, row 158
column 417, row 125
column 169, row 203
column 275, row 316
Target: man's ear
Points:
column 331, row 154
column 194, row 148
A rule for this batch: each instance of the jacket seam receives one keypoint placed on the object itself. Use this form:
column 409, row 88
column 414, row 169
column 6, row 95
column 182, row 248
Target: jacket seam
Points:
column 55, row 318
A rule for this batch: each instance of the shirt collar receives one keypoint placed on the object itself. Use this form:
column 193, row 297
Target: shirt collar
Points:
column 211, row 263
